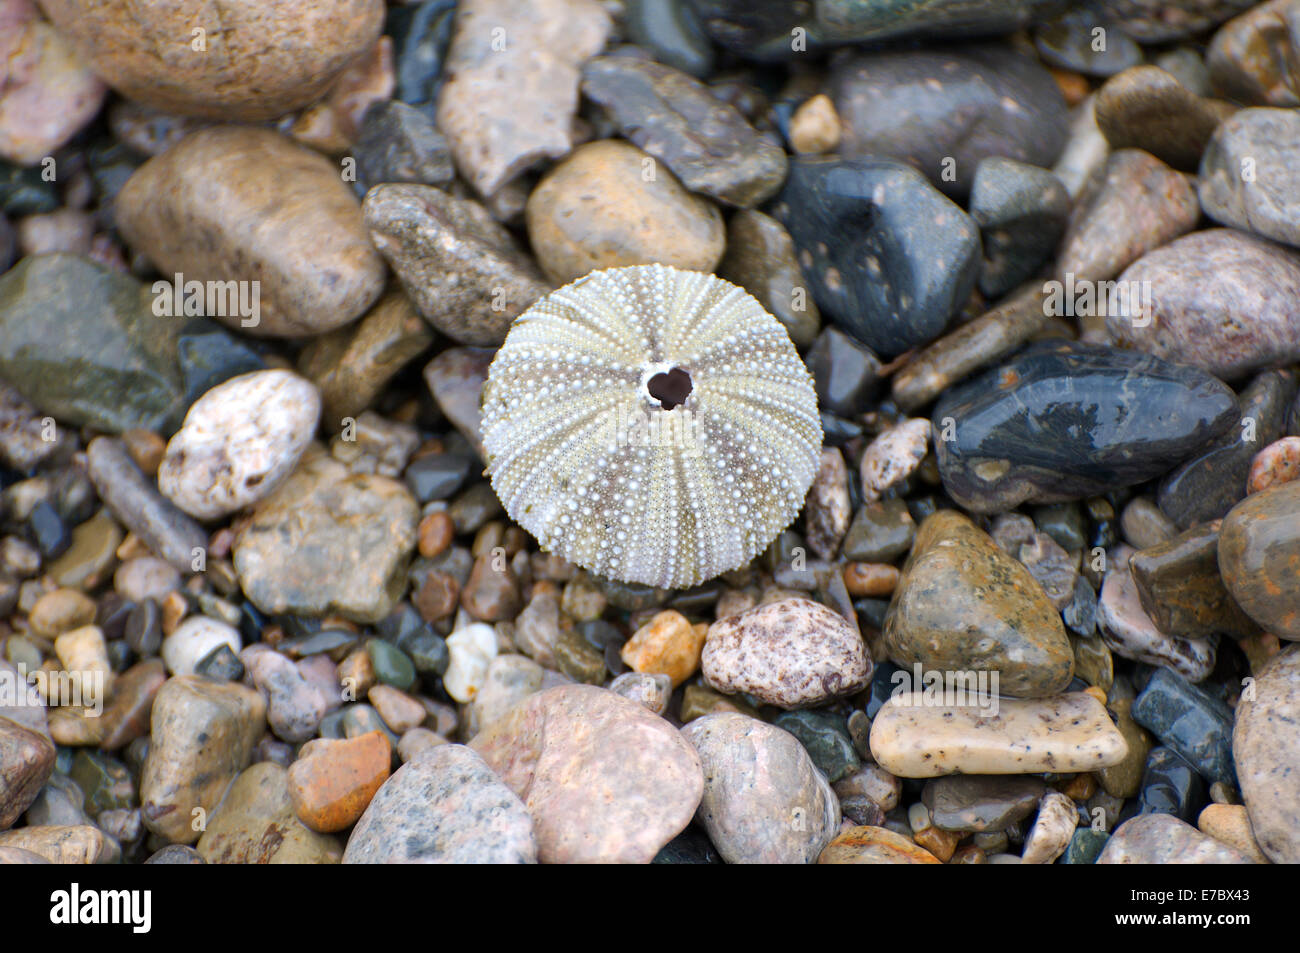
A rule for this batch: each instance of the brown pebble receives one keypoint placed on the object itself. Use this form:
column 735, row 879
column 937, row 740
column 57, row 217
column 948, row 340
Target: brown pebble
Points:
column 436, row 532
column 870, row 579
column 437, row 596
column 146, row 449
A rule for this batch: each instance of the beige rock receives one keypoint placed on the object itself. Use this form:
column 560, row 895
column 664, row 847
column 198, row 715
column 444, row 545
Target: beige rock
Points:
column 74, row 844
column 815, row 126
column 256, row 824
column 874, row 845
column 1164, row 839
column 1266, row 748
column 1065, row 733
column 1052, row 830
column 1230, row 824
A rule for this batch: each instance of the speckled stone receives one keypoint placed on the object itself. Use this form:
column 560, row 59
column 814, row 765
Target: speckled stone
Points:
column 874, row 845
column 1085, row 846
column 1259, row 545
column 1021, row 211
column 1164, row 839
column 981, row 802
column 1138, row 205
column 1052, row 831
column 1259, row 142
column 294, row 705
column 601, row 208
column 203, row 735
column 653, row 692
column 445, row 806
column 528, row 86
column 706, row 142
column 1157, row 21
column 1266, row 743
column 1065, row 733
column 255, row 824
column 1146, row 108
column 1115, row 418
column 963, row 604
column 1189, row 720
column 1051, row 566
column 1276, row 464
column 464, row 272
column 963, row 104
column 267, row 59
column 1129, row 631
column 1181, row 590
column 764, row 801
column 895, row 283
column 893, row 456
column 792, row 653
column 828, row 507
column 187, row 210
column 238, row 442
column 26, row 760
column 328, row 541
column 1206, row 486
column 604, row 779
column 1250, row 57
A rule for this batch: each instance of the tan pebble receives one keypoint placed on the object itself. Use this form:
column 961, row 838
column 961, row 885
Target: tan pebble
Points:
column 61, row 611
column 1230, row 823
column 436, row 532
column 84, row 655
column 357, row 675
column 146, row 449
column 874, row 845
column 399, row 710
column 1052, row 830
column 815, row 126
column 667, row 645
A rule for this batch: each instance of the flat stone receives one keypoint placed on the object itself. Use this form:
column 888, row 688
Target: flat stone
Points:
column 445, row 806
column 187, row 211
column 963, row 105
column 1122, row 419
column 604, row 779
column 1266, row 744
column 1163, row 839
column 1190, row 721
column 202, row 736
column 59, row 844
column 1064, row 734
column 764, row 801
column 1052, row 831
column 874, row 845
column 1181, row 589
column 268, row 60
column 505, row 109
column 111, row 367
column 255, row 824
column 706, row 143
column 328, row 541
column 465, row 273
column 1259, row 543
column 981, row 802
column 793, row 653
column 963, row 604
column 895, row 283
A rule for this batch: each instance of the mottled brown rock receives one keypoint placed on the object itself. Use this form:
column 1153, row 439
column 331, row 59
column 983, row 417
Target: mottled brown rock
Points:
column 1164, row 839
column 511, row 87
column 257, row 61
column 792, row 653
column 237, row 203
column 464, row 272
column 1259, row 557
column 1221, row 300
column 760, row 258
column 1124, row 779
column 1140, row 204
column 1146, row 108
column 874, row 845
column 827, row 509
column 1266, row 749
column 59, row 844
column 333, row 780
column 127, row 716
column 1276, row 464
column 26, row 760
column 1252, row 58
column 1181, row 589
column 764, row 800
column 963, row 604
column 604, row 779
column 608, row 205
column 492, row 592
column 455, row 378
column 255, row 824
column 351, row 366
column 203, row 735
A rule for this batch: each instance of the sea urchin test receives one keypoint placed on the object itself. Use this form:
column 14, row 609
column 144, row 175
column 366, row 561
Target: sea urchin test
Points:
column 651, row 425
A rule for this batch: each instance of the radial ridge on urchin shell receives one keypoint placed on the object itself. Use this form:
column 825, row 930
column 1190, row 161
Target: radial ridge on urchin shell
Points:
column 651, row 425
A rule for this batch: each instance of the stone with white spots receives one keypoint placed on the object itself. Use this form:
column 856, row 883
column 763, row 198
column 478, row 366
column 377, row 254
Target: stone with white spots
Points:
column 238, row 442
column 893, row 456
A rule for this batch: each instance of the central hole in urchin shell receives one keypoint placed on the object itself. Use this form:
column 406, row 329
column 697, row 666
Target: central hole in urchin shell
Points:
column 670, row 388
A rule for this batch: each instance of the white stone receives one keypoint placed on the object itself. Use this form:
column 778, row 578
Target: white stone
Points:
column 1052, row 830
column 238, row 442
column 894, row 455
column 193, row 640
column 472, row 650
column 146, row 577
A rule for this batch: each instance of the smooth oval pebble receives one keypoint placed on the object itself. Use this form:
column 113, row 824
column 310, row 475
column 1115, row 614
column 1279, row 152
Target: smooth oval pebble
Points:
column 913, row 738
column 1259, row 551
column 874, row 845
column 1266, row 749
column 238, row 442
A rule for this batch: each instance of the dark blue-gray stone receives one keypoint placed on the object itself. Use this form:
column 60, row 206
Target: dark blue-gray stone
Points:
column 1170, row 785
column 859, row 20
column 1070, row 42
column 760, row 30
column 1065, row 420
column 421, row 34
column 221, row 664
column 437, row 476
column 1080, row 616
column 48, row 531
column 826, row 739
column 691, row 846
column 24, row 192
column 845, row 373
column 399, row 143
column 1021, row 211
column 210, row 355
column 888, row 257
column 1190, row 721
column 1085, row 846
column 672, row 31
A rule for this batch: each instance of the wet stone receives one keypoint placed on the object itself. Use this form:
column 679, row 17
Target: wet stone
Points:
column 964, row 105
column 845, row 374
column 1146, row 108
column 963, row 604
column 1047, row 562
column 1069, row 42
column 209, row 355
column 1265, row 204
column 896, row 283
column 881, row 531
column 1170, row 785
column 1250, row 57
column 1190, row 721
column 999, row 457
column 760, row 258
column 1181, row 589
column 1162, row 839
column 1157, row 21
column 825, row 737
column 1085, row 846
column 981, row 802
column 706, row 143
column 255, row 824
column 1259, row 543
column 875, row 845
column 26, row 760
column 1021, row 211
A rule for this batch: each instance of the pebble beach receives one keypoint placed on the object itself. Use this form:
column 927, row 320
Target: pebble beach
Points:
column 650, row 432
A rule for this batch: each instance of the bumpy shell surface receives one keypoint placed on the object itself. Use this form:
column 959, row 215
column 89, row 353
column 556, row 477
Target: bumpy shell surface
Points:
column 664, row 491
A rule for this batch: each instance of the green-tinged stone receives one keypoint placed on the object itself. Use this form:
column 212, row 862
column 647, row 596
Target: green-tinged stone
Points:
column 1085, row 846
column 92, row 555
column 23, row 191
column 880, row 532
column 1063, row 522
column 105, row 782
column 700, row 700
column 826, row 739
column 1181, row 589
column 392, row 666
column 577, row 658
column 964, row 605
column 1124, row 780
column 82, row 343
column 1092, row 661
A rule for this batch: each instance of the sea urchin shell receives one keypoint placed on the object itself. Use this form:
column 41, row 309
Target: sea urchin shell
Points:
column 652, row 425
